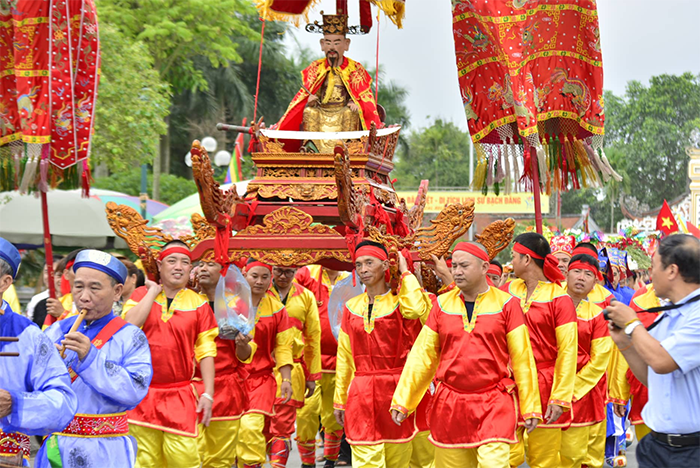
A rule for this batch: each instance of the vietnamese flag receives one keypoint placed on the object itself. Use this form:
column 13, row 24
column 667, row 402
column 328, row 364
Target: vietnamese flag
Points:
column 665, row 221
column 692, row 229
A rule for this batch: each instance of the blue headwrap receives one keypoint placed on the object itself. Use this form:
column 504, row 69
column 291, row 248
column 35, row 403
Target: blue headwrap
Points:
column 10, row 254
column 101, row 261
column 603, row 260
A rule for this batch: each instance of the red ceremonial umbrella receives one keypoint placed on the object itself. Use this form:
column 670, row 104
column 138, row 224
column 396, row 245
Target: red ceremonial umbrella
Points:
column 531, row 81
column 50, row 60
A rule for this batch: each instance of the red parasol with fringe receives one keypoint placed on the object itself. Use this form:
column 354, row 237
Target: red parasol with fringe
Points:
column 50, row 67
column 531, row 82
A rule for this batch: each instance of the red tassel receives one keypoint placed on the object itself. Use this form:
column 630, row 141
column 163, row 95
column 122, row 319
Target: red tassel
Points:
column 251, row 203
column 86, row 177
column 402, row 229
column 409, row 261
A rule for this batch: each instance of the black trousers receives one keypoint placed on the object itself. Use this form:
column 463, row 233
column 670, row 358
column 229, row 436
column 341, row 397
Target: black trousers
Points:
column 652, row 453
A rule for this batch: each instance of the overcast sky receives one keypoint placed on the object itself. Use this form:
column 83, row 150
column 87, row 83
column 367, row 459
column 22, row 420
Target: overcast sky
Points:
column 640, row 39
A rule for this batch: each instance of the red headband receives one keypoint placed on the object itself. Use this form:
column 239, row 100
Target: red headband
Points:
column 471, row 249
column 584, row 251
column 70, row 264
column 494, row 270
column 372, row 251
column 579, row 265
column 175, row 249
column 257, row 264
column 551, row 264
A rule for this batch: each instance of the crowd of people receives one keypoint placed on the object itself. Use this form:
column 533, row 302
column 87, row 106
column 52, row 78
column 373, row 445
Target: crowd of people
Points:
column 534, row 363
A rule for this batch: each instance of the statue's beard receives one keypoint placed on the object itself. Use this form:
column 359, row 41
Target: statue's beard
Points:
column 332, row 56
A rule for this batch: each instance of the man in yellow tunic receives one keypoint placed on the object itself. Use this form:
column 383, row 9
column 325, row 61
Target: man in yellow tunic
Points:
column 181, row 329
column 273, row 340
column 306, row 370
column 218, row 442
column 473, row 338
column 550, row 316
column 378, row 329
column 320, row 281
column 11, row 298
column 584, row 441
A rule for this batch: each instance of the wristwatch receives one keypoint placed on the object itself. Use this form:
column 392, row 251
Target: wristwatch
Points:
column 630, row 328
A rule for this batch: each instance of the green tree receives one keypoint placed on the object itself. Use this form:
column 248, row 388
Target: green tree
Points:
column 650, row 126
column 230, row 92
column 439, row 153
column 392, row 97
column 176, row 32
column 131, row 104
column 173, row 188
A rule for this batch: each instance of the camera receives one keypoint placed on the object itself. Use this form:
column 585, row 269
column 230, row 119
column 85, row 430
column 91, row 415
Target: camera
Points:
column 606, row 317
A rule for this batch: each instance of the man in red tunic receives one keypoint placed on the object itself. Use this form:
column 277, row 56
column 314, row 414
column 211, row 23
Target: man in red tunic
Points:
column 473, row 338
column 551, row 320
column 217, row 443
column 302, row 310
column 320, row 281
column 273, row 338
column 584, row 441
column 598, row 295
column 181, row 329
column 378, row 329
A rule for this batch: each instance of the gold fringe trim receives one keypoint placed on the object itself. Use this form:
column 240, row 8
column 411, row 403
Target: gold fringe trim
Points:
column 393, row 9
column 480, row 173
column 268, row 14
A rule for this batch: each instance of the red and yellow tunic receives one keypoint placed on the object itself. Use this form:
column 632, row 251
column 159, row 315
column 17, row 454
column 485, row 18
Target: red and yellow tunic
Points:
column 178, row 335
column 301, row 307
column 623, row 383
column 314, row 278
column 594, row 351
column 598, row 295
column 356, row 80
column 472, row 360
column 273, row 333
column 372, row 351
column 551, row 321
column 231, row 398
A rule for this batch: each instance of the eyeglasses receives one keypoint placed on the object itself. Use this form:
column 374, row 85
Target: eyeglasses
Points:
column 285, row 272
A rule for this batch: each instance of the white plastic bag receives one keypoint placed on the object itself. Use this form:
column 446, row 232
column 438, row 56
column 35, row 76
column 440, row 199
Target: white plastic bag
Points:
column 342, row 292
column 233, row 306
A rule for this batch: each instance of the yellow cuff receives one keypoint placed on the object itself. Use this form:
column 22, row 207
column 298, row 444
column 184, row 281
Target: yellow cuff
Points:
column 205, row 346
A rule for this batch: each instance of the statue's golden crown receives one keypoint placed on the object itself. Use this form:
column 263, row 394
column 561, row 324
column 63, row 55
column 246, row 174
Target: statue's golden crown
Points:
column 334, row 24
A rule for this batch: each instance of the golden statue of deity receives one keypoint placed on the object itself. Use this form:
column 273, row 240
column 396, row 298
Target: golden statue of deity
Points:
column 336, row 94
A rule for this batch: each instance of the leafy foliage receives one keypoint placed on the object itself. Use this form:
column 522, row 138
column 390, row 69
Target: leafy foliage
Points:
column 230, row 92
column 650, row 126
column 177, row 31
column 173, row 188
column 131, row 104
column 439, row 153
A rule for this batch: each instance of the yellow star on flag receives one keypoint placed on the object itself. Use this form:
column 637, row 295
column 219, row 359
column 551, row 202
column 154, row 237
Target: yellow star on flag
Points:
column 666, row 222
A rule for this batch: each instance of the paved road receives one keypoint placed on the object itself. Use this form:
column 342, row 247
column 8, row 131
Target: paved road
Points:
column 295, row 462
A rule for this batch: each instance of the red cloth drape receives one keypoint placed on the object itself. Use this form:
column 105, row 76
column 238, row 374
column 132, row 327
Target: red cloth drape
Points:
column 529, row 61
column 49, row 62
